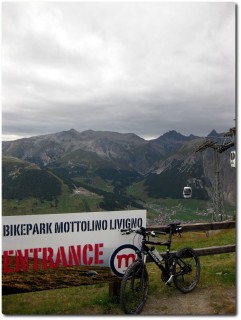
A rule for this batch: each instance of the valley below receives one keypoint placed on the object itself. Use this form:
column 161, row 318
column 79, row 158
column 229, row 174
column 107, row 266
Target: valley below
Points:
column 94, row 171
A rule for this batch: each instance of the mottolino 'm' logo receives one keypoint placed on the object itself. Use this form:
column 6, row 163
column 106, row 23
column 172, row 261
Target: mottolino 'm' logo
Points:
column 121, row 258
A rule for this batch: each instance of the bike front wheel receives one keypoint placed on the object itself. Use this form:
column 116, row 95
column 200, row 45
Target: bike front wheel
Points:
column 186, row 270
column 134, row 288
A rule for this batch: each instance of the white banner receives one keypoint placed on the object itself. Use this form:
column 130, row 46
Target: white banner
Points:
column 56, row 240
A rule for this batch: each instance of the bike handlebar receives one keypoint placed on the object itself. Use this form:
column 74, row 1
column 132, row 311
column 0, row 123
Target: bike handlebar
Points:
column 142, row 231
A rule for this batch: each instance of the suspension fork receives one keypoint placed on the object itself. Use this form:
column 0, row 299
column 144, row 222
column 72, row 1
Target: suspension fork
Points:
column 141, row 256
column 168, row 250
column 167, row 262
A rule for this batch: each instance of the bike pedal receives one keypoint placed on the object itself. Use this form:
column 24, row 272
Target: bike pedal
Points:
column 169, row 281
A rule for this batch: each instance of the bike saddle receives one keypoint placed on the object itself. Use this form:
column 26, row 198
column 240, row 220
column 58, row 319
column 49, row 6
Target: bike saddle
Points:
column 174, row 224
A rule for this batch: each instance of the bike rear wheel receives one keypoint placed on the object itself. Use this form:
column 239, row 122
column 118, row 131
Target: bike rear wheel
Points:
column 134, row 288
column 186, row 270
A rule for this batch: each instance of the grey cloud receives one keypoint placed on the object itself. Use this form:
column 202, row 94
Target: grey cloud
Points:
column 130, row 67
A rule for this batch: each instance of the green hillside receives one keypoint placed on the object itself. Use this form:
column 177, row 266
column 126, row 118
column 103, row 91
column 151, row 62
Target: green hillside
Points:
column 170, row 184
column 29, row 189
column 22, row 180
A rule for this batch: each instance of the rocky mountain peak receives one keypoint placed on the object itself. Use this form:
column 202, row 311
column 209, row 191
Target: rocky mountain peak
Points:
column 173, row 135
column 214, row 133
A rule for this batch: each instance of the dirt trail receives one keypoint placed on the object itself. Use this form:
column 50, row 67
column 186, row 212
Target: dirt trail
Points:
column 198, row 302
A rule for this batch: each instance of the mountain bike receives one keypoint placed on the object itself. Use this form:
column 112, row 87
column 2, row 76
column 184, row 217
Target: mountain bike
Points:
column 182, row 268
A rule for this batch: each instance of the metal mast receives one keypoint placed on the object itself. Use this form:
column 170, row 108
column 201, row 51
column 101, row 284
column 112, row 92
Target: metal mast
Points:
column 217, row 196
column 218, row 200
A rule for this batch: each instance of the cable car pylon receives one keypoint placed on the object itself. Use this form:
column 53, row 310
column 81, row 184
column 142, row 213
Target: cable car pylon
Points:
column 217, row 195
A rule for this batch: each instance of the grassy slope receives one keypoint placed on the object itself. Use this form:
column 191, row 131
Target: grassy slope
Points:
column 184, row 210
column 65, row 203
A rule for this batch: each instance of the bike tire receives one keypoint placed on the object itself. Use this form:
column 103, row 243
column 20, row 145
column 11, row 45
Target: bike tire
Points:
column 134, row 288
column 186, row 270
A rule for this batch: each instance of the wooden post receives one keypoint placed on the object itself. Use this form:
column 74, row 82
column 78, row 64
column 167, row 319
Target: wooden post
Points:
column 114, row 288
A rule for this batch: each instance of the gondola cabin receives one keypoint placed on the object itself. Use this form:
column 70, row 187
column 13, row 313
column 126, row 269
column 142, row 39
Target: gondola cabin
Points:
column 233, row 159
column 187, row 192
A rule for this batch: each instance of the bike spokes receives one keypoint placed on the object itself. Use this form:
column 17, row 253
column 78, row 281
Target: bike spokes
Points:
column 187, row 270
column 134, row 288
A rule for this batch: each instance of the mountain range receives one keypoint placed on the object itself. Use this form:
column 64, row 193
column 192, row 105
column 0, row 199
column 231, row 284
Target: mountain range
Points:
column 109, row 163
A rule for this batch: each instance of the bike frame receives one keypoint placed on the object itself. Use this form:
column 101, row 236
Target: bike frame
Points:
column 145, row 250
column 174, row 266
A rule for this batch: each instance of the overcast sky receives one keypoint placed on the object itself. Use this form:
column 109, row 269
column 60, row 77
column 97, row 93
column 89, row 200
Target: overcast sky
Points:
column 142, row 67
